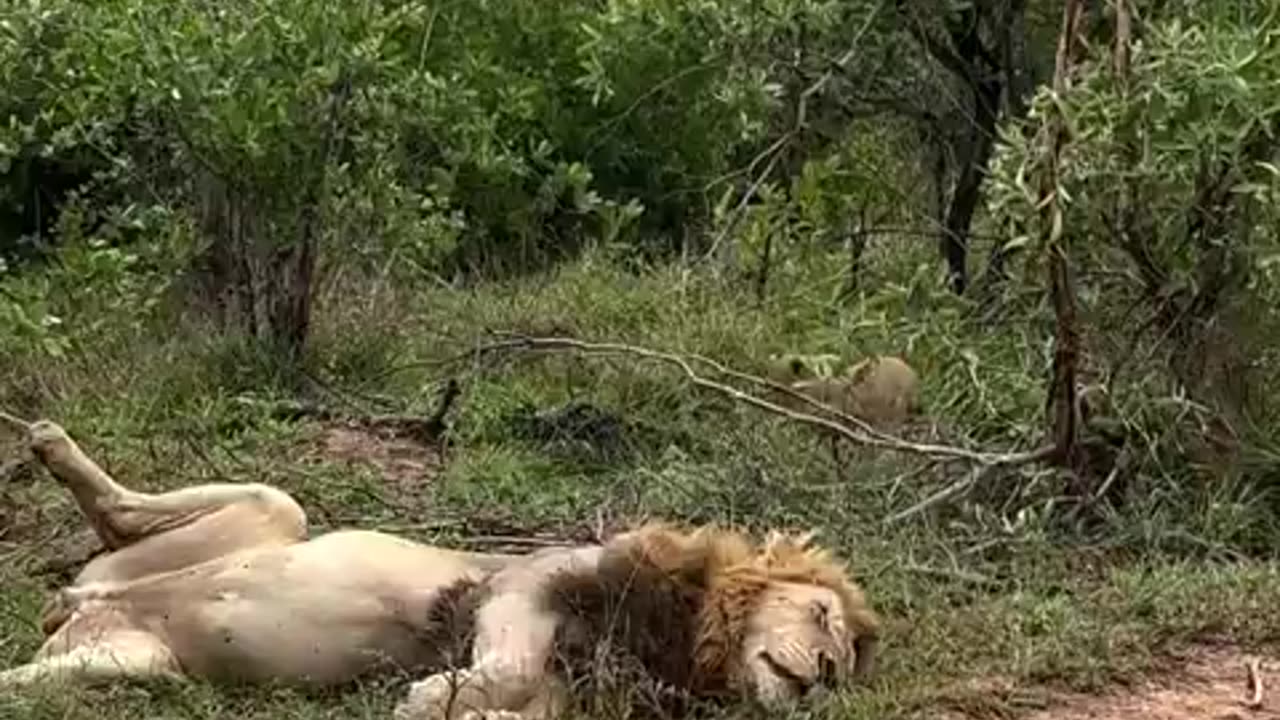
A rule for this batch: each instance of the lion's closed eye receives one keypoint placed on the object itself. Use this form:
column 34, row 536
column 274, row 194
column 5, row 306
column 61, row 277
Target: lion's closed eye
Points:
column 821, row 615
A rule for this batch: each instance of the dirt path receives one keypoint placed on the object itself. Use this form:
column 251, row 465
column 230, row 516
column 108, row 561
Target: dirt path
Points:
column 1213, row 684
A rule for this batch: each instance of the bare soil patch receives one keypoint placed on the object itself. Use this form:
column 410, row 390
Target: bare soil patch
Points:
column 1212, row 684
column 405, row 463
column 1204, row 683
column 41, row 542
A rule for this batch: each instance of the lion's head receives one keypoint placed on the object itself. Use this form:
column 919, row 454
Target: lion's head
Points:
column 773, row 620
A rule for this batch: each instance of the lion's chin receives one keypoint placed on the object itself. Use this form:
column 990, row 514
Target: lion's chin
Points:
column 773, row 683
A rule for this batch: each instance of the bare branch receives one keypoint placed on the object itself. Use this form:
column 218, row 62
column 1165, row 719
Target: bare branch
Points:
column 1061, row 402
column 424, row 428
column 956, row 574
column 942, row 52
column 955, row 489
column 1255, row 685
column 15, row 421
column 862, row 435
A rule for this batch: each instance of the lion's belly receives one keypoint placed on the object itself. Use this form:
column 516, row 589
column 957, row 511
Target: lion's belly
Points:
column 322, row 611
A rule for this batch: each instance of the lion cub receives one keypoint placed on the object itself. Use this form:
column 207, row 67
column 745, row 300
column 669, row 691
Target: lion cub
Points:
column 881, row 390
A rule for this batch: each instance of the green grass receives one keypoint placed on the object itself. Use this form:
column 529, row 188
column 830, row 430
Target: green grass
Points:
column 994, row 586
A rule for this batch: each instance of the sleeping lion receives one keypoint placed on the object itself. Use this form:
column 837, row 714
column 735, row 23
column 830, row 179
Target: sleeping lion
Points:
column 220, row 582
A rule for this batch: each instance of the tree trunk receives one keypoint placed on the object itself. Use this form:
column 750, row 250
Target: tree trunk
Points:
column 1018, row 89
column 1062, row 404
column 258, row 283
column 975, row 154
column 293, row 269
column 984, row 72
column 264, row 291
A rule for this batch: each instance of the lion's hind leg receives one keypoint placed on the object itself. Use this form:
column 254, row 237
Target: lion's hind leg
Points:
column 141, row 515
column 122, row 517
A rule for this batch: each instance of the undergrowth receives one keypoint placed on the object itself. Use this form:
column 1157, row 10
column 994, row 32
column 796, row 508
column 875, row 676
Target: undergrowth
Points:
column 1001, row 583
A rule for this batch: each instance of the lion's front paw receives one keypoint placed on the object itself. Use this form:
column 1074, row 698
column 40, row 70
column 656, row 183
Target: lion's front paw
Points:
column 433, row 698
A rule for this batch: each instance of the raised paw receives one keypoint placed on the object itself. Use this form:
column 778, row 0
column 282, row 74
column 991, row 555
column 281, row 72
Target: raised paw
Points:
column 433, row 698
column 43, row 436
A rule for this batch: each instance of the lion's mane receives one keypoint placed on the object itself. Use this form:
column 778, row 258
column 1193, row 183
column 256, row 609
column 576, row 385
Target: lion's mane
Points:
column 675, row 603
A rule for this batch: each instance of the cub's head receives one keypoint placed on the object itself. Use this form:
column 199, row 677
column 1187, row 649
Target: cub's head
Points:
column 787, row 368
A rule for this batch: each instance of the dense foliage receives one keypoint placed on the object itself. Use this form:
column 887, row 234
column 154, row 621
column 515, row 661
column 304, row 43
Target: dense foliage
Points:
column 211, row 211
column 239, row 160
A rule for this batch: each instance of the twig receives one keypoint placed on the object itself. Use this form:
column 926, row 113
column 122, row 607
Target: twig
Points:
column 864, row 436
column 434, row 526
column 469, row 354
column 1121, row 461
column 954, row 489
column 1255, row 684
column 657, row 88
column 16, row 421
column 773, row 153
column 427, row 428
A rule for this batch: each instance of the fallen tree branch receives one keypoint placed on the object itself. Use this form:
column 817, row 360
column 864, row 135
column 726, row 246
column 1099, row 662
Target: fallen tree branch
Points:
column 16, row 421
column 424, row 428
column 1255, row 685
column 864, row 435
column 473, row 353
column 955, row 489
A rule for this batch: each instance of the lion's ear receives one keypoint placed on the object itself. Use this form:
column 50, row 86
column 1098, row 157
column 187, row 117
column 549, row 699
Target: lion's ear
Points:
column 783, row 549
column 866, row 642
column 866, row 646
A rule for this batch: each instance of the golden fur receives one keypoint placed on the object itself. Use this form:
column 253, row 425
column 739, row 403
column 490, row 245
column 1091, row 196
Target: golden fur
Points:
column 731, row 572
column 715, row 579
column 705, row 611
column 882, row 390
column 790, row 367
